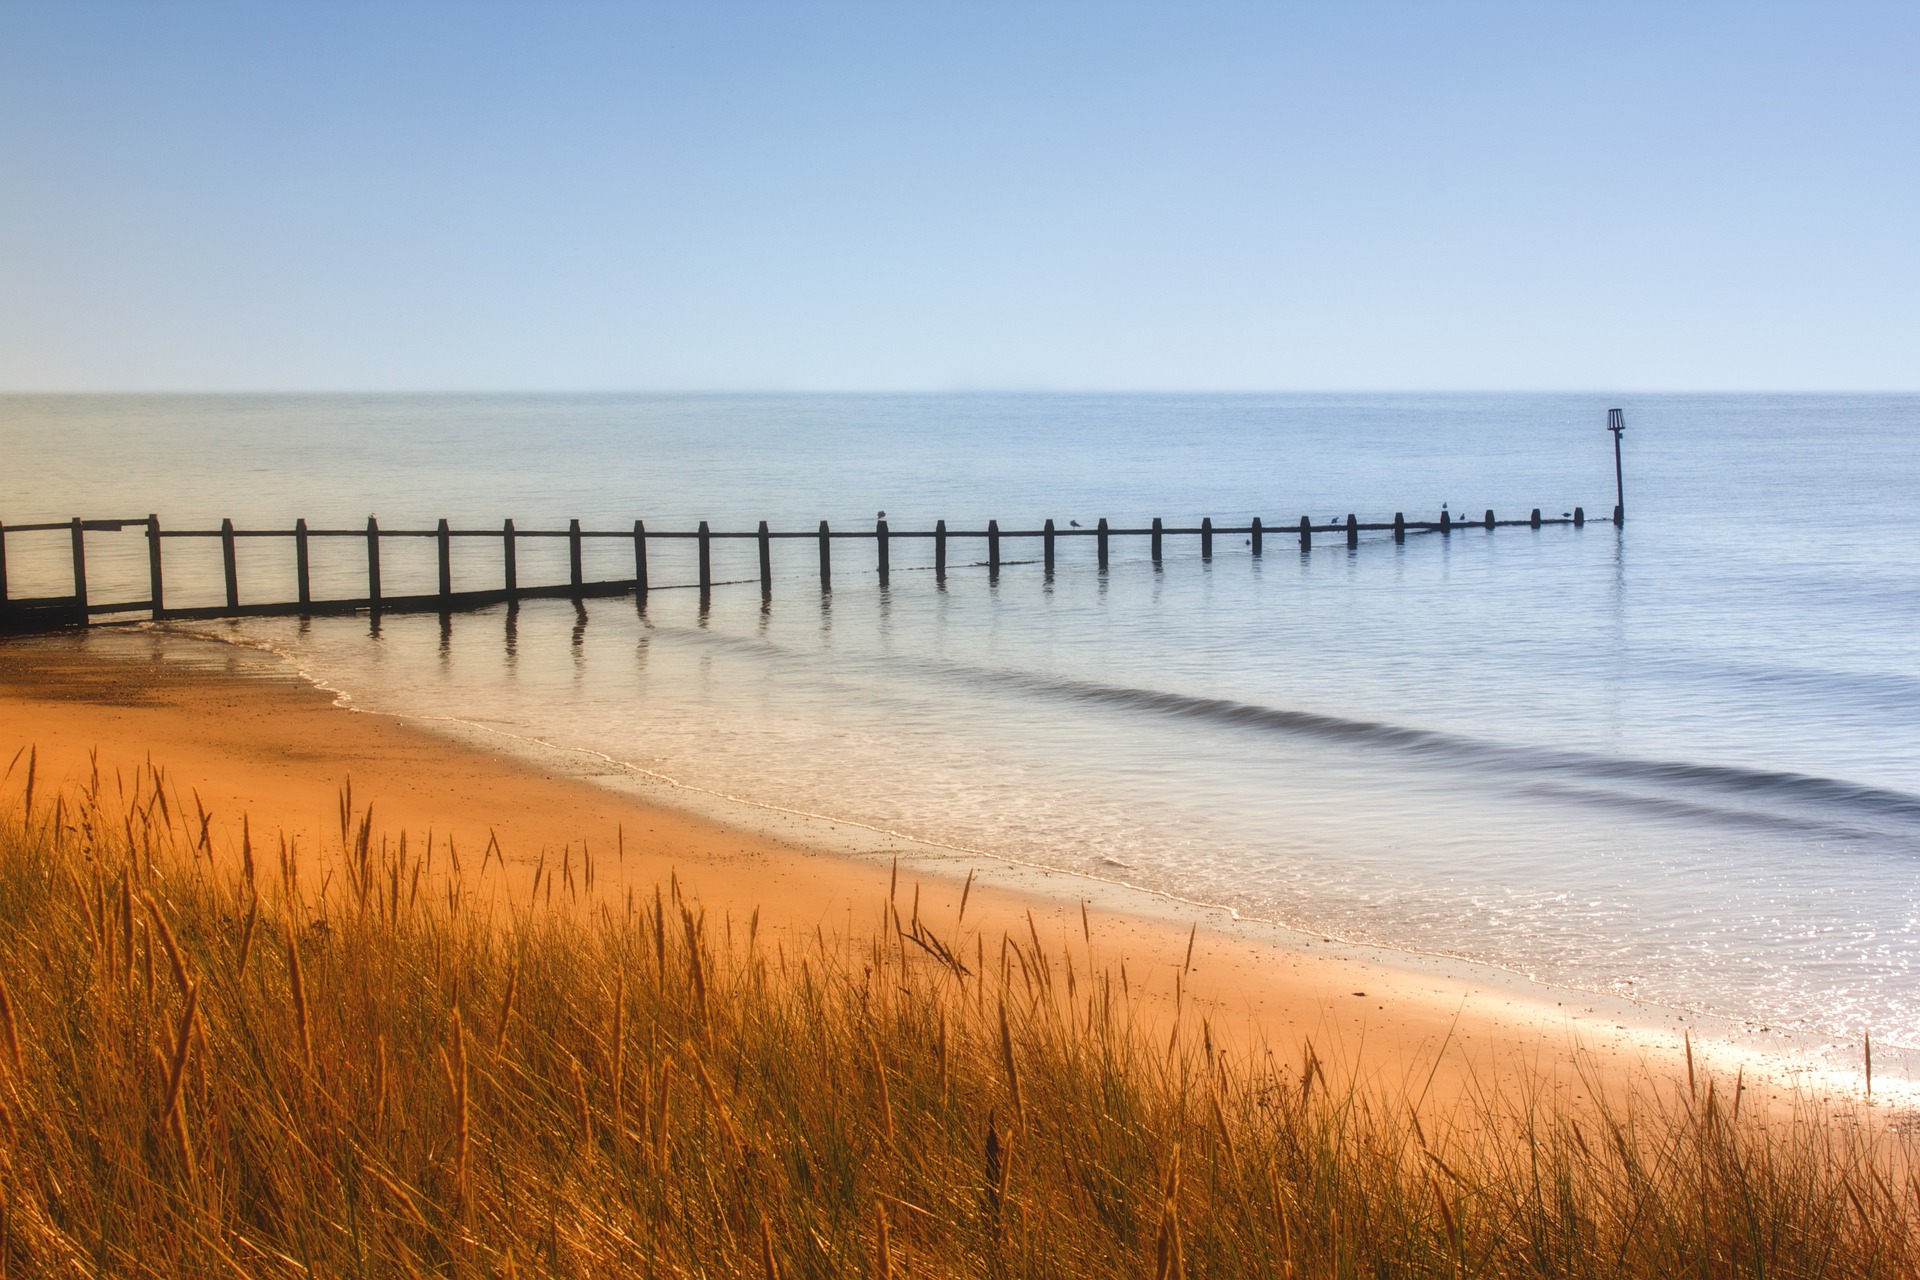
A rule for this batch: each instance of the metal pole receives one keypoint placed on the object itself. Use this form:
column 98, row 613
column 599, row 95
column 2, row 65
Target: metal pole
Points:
column 1616, row 423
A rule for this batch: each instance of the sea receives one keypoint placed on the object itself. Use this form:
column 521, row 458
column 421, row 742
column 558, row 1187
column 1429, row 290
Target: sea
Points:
column 1675, row 761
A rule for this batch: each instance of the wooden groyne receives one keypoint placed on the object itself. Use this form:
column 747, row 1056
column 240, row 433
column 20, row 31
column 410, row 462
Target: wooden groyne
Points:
column 80, row 608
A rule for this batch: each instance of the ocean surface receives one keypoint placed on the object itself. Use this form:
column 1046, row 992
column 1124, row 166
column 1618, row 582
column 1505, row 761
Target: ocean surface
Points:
column 1677, row 761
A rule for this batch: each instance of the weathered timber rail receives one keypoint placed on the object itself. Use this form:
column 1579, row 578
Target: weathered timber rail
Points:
column 49, row 613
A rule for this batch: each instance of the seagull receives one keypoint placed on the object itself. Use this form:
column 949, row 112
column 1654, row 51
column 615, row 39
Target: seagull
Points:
column 1074, row 523
column 881, row 516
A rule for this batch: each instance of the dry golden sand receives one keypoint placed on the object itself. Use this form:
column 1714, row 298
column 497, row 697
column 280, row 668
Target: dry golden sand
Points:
column 278, row 750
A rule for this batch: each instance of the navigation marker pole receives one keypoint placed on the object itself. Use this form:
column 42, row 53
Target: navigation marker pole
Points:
column 1616, row 423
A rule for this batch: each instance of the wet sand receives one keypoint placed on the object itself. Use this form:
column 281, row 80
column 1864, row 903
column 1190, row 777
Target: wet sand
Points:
column 251, row 738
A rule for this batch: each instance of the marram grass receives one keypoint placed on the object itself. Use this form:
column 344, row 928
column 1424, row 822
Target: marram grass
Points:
column 240, row 1066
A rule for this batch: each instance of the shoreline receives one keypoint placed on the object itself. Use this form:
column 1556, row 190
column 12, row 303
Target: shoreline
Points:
column 286, row 741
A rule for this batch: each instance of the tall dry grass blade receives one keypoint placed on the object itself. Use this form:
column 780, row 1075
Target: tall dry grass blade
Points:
column 246, row 936
column 177, row 1066
column 882, row 1246
column 662, row 1093
column 33, row 768
column 582, row 1114
column 463, row 1130
column 880, row 1078
column 10, row 1029
column 506, row 1006
column 174, row 957
column 619, row 1057
column 125, row 913
column 1167, row 1261
column 965, row 889
column 769, row 1267
column 1011, row 1067
column 379, row 1085
column 297, row 982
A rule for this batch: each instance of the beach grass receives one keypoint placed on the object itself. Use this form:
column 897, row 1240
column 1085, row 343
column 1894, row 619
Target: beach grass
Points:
column 371, row 1060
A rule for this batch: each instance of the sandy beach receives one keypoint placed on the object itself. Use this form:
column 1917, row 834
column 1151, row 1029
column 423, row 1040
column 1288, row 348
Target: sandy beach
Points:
column 253, row 741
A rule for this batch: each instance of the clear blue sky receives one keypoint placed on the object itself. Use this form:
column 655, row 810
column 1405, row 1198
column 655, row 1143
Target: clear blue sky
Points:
column 554, row 195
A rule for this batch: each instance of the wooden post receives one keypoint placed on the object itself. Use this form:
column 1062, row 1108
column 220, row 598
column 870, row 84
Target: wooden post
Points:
column 1399, row 527
column 1353, row 530
column 1489, row 517
column 1256, row 539
column 993, row 548
column 1046, row 554
column 880, row 545
column 826, row 560
column 230, row 563
column 1446, row 521
column 1306, row 534
column 940, row 551
column 766, row 563
column 509, row 560
column 1534, row 520
column 706, row 559
column 373, row 564
column 80, row 568
column 3, row 565
column 445, row 538
column 1101, row 538
column 156, row 591
column 1156, row 540
column 1579, row 517
column 302, row 562
column 640, row 563
column 576, row 575
column 1206, row 537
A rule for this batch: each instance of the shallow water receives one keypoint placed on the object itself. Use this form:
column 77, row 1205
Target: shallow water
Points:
column 1679, row 761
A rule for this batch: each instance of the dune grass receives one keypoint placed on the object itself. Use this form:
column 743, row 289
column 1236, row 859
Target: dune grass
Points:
column 221, row 1063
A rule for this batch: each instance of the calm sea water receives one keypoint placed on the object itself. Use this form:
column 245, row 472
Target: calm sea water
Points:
column 1679, row 761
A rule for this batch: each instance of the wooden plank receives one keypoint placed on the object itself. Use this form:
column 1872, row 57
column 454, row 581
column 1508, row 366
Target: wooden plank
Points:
column 993, row 548
column 510, row 559
column 574, row 574
column 3, row 564
column 444, row 540
column 1353, row 530
column 1156, row 540
column 302, row 562
column 1579, row 517
column 1047, row 552
column 940, row 551
column 1535, row 520
column 156, row 594
column 706, row 559
column 880, row 542
column 1100, row 536
column 1399, row 527
column 826, row 559
column 1306, row 534
column 1206, row 537
column 1446, row 521
column 1257, row 536
column 1489, row 517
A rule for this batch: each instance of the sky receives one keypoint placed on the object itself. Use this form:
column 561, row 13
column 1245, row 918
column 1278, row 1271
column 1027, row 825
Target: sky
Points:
column 820, row 196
